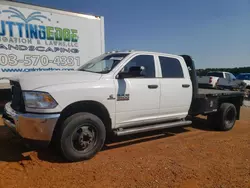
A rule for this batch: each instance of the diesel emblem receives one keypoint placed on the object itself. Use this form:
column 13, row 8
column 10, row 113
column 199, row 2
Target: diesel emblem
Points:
column 122, row 97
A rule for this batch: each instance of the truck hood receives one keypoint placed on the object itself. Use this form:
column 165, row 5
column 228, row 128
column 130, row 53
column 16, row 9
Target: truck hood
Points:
column 35, row 80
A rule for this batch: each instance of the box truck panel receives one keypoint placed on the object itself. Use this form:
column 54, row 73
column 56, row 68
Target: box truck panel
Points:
column 34, row 38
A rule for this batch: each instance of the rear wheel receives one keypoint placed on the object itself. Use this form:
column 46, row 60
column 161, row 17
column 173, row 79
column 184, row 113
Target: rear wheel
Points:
column 81, row 136
column 225, row 118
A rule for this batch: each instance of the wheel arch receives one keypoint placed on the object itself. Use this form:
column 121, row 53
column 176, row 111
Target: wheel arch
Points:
column 89, row 106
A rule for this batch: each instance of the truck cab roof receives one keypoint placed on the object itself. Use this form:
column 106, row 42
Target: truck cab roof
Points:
column 134, row 52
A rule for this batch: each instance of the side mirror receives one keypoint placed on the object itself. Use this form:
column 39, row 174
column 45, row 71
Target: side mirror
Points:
column 123, row 75
column 133, row 72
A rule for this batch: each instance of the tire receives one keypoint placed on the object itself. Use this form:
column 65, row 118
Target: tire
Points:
column 74, row 130
column 225, row 118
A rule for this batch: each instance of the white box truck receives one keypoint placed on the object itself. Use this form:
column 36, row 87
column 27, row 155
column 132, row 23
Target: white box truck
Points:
column 35, row 38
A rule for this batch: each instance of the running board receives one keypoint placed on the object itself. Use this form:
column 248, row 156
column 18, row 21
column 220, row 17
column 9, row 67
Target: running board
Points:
column 133, row 130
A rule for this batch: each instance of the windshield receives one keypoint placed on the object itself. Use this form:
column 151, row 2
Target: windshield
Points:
column 215, row 74
column 243, row 77
column 104, row 63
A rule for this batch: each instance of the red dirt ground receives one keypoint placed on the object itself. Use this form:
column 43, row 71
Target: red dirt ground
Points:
column 194, row 156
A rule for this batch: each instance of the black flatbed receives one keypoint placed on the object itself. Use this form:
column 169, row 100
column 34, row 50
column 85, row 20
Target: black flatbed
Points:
column 216, row 92
column 208, row 101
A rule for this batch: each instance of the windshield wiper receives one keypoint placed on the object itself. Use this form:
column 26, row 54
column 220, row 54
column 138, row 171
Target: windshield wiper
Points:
column 104, row 72
column 84, row 70
column 89, row 71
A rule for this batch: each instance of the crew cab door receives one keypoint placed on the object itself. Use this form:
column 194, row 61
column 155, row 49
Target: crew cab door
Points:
column 138, row 97
column 176, row 88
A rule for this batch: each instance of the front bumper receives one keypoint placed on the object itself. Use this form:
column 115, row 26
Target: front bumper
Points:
column 36, row 127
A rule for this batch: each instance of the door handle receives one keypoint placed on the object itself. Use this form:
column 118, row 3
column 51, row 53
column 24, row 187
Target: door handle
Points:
column 185, row 85
column 152, row 86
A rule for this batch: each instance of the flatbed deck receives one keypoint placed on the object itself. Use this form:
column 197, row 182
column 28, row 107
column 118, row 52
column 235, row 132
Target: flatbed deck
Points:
column 208, row 101
column 216, row 92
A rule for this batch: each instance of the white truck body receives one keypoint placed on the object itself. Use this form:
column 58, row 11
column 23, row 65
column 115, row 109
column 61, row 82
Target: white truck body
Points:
column 157, row 104
column 117, row 93
column 39, row 39
column 245, row 77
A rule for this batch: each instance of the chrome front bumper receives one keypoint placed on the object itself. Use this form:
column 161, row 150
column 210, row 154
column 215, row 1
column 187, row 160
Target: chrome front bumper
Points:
column 37, row 127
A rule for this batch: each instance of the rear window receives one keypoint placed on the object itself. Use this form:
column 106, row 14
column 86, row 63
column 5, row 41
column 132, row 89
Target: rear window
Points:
column 170, row 67
column 215, row 74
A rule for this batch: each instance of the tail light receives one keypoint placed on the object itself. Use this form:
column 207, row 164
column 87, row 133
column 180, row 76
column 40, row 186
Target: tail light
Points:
column 210, row 79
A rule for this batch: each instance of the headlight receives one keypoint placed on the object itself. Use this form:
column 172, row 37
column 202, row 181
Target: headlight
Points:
column 40, row 100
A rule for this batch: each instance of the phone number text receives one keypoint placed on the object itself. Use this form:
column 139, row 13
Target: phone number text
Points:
column 38, row 60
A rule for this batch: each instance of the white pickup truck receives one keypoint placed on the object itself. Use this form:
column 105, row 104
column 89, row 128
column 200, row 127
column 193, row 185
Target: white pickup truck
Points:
column 212, row 79
column 118, row 94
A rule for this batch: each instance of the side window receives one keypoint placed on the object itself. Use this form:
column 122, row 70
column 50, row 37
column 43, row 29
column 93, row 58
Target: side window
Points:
column 227, row 76
column 171, row 67
column 232, row 76
column 146, row 62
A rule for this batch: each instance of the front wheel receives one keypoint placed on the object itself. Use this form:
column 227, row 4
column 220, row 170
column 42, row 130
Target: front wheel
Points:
column 81, row 136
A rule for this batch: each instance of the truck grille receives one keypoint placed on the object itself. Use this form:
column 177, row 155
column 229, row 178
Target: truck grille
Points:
column 17, row 98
